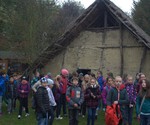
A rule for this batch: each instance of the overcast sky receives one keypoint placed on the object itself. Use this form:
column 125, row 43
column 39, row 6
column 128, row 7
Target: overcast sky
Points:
column 125, row 5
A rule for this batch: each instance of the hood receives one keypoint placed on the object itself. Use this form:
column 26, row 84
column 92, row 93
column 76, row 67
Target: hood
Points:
column 122, row 86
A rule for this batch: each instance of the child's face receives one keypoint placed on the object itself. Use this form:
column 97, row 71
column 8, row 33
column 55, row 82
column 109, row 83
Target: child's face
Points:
column 44, row 84
column 86, row 79
column 118, row 82
column 110, row 81
column 98, row 74
column 11, row 80
column 130, row 80
column 93, row 82
column 143, row 77
column 143, row 84
column 75, row 82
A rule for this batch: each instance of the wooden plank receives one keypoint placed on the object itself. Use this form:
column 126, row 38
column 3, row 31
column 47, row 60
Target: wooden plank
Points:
column 105, row 26
column 121, row 50
column 143, row 58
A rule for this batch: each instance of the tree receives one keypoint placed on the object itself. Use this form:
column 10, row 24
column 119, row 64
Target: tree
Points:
column 141, row 14
column 31, row 25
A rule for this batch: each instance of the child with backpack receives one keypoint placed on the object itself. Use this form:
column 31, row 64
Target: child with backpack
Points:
column 23, row 91
column 117, row 96
column 92, row 96
column 75, row 98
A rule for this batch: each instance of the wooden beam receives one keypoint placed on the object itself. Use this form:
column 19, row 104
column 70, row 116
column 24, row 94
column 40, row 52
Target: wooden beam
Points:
column 143, row 58
column 105, row 26
column 121, row 50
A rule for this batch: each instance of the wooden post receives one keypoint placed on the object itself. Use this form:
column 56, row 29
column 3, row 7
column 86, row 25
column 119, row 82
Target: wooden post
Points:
column 121, row 50
column 143, row 59
column 105, row 26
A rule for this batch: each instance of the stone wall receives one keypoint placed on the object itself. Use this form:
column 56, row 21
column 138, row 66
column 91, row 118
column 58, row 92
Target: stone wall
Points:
column 90, row 51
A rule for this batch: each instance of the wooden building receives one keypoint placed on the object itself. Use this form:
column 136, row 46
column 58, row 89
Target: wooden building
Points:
column 104, row 38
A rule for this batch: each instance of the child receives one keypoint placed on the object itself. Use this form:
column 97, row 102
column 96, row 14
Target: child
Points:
column 143, row 103
column 109, row 83
column 118, row 95
column 92, row 96
column 42, row 103
column 85, row 84
column 131, row 91
column 51, row 100
column 23, row 91
column 65, row 83
column 57, row 93
column 11, row 91
column 74, row 98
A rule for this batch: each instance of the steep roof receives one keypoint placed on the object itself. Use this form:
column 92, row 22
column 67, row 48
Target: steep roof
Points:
column 82, row 22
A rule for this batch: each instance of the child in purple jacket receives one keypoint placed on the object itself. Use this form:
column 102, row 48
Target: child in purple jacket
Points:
column 132, row 94
column 23, row 91
column 57, row 89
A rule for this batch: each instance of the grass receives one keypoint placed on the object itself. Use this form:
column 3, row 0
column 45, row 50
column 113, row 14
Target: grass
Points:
column 11, row 119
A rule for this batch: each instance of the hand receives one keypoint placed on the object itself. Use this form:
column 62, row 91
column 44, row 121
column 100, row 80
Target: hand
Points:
column 130, row 105
column 22, row 91
column 115, row 102
column 75, row 105
column 138, row 117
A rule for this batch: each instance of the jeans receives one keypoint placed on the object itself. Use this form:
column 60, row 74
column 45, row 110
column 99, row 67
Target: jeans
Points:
column 144, row 119
column 10, row 104
column 0, row 104
column 42, row 120
column 73, row 116
column 129, row 112
column 91, row 116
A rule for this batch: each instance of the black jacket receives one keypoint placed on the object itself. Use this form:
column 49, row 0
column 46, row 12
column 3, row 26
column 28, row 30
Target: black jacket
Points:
column 42, row 100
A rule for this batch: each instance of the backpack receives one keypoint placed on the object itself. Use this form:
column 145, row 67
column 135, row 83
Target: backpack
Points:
column 112, row 115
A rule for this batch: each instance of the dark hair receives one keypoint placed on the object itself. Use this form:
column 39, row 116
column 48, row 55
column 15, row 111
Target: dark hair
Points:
column 74, row 78
column 109, row 78
column 93, row 75
column 147, row 90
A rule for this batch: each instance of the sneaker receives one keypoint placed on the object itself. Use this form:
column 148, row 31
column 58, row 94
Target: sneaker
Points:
column 59, row 118
column 9, row 113
column 83, row 116
column 27, row 114
column 19, row 116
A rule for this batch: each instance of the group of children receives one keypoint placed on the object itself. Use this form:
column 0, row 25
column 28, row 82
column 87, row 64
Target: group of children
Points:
column 82, row 94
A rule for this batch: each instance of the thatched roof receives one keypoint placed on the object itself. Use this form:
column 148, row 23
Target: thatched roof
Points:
column 82, row 22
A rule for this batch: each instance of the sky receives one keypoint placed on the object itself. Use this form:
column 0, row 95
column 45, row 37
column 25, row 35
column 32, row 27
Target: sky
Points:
column 125, row 5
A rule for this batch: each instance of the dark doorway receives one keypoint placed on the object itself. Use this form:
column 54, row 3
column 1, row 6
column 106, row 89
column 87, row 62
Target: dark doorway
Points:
column 84, row 71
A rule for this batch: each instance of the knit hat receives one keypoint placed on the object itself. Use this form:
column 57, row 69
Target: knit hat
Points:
column 43, row 80
column 50, row 81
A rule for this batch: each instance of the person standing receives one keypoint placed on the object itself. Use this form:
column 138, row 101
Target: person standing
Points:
column 75, row 98
column 143, row 103
column 42, row 103
column 92, row 96
column 118, row 96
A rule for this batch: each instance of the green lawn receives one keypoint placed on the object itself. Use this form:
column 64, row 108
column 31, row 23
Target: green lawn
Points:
column 11, row 119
